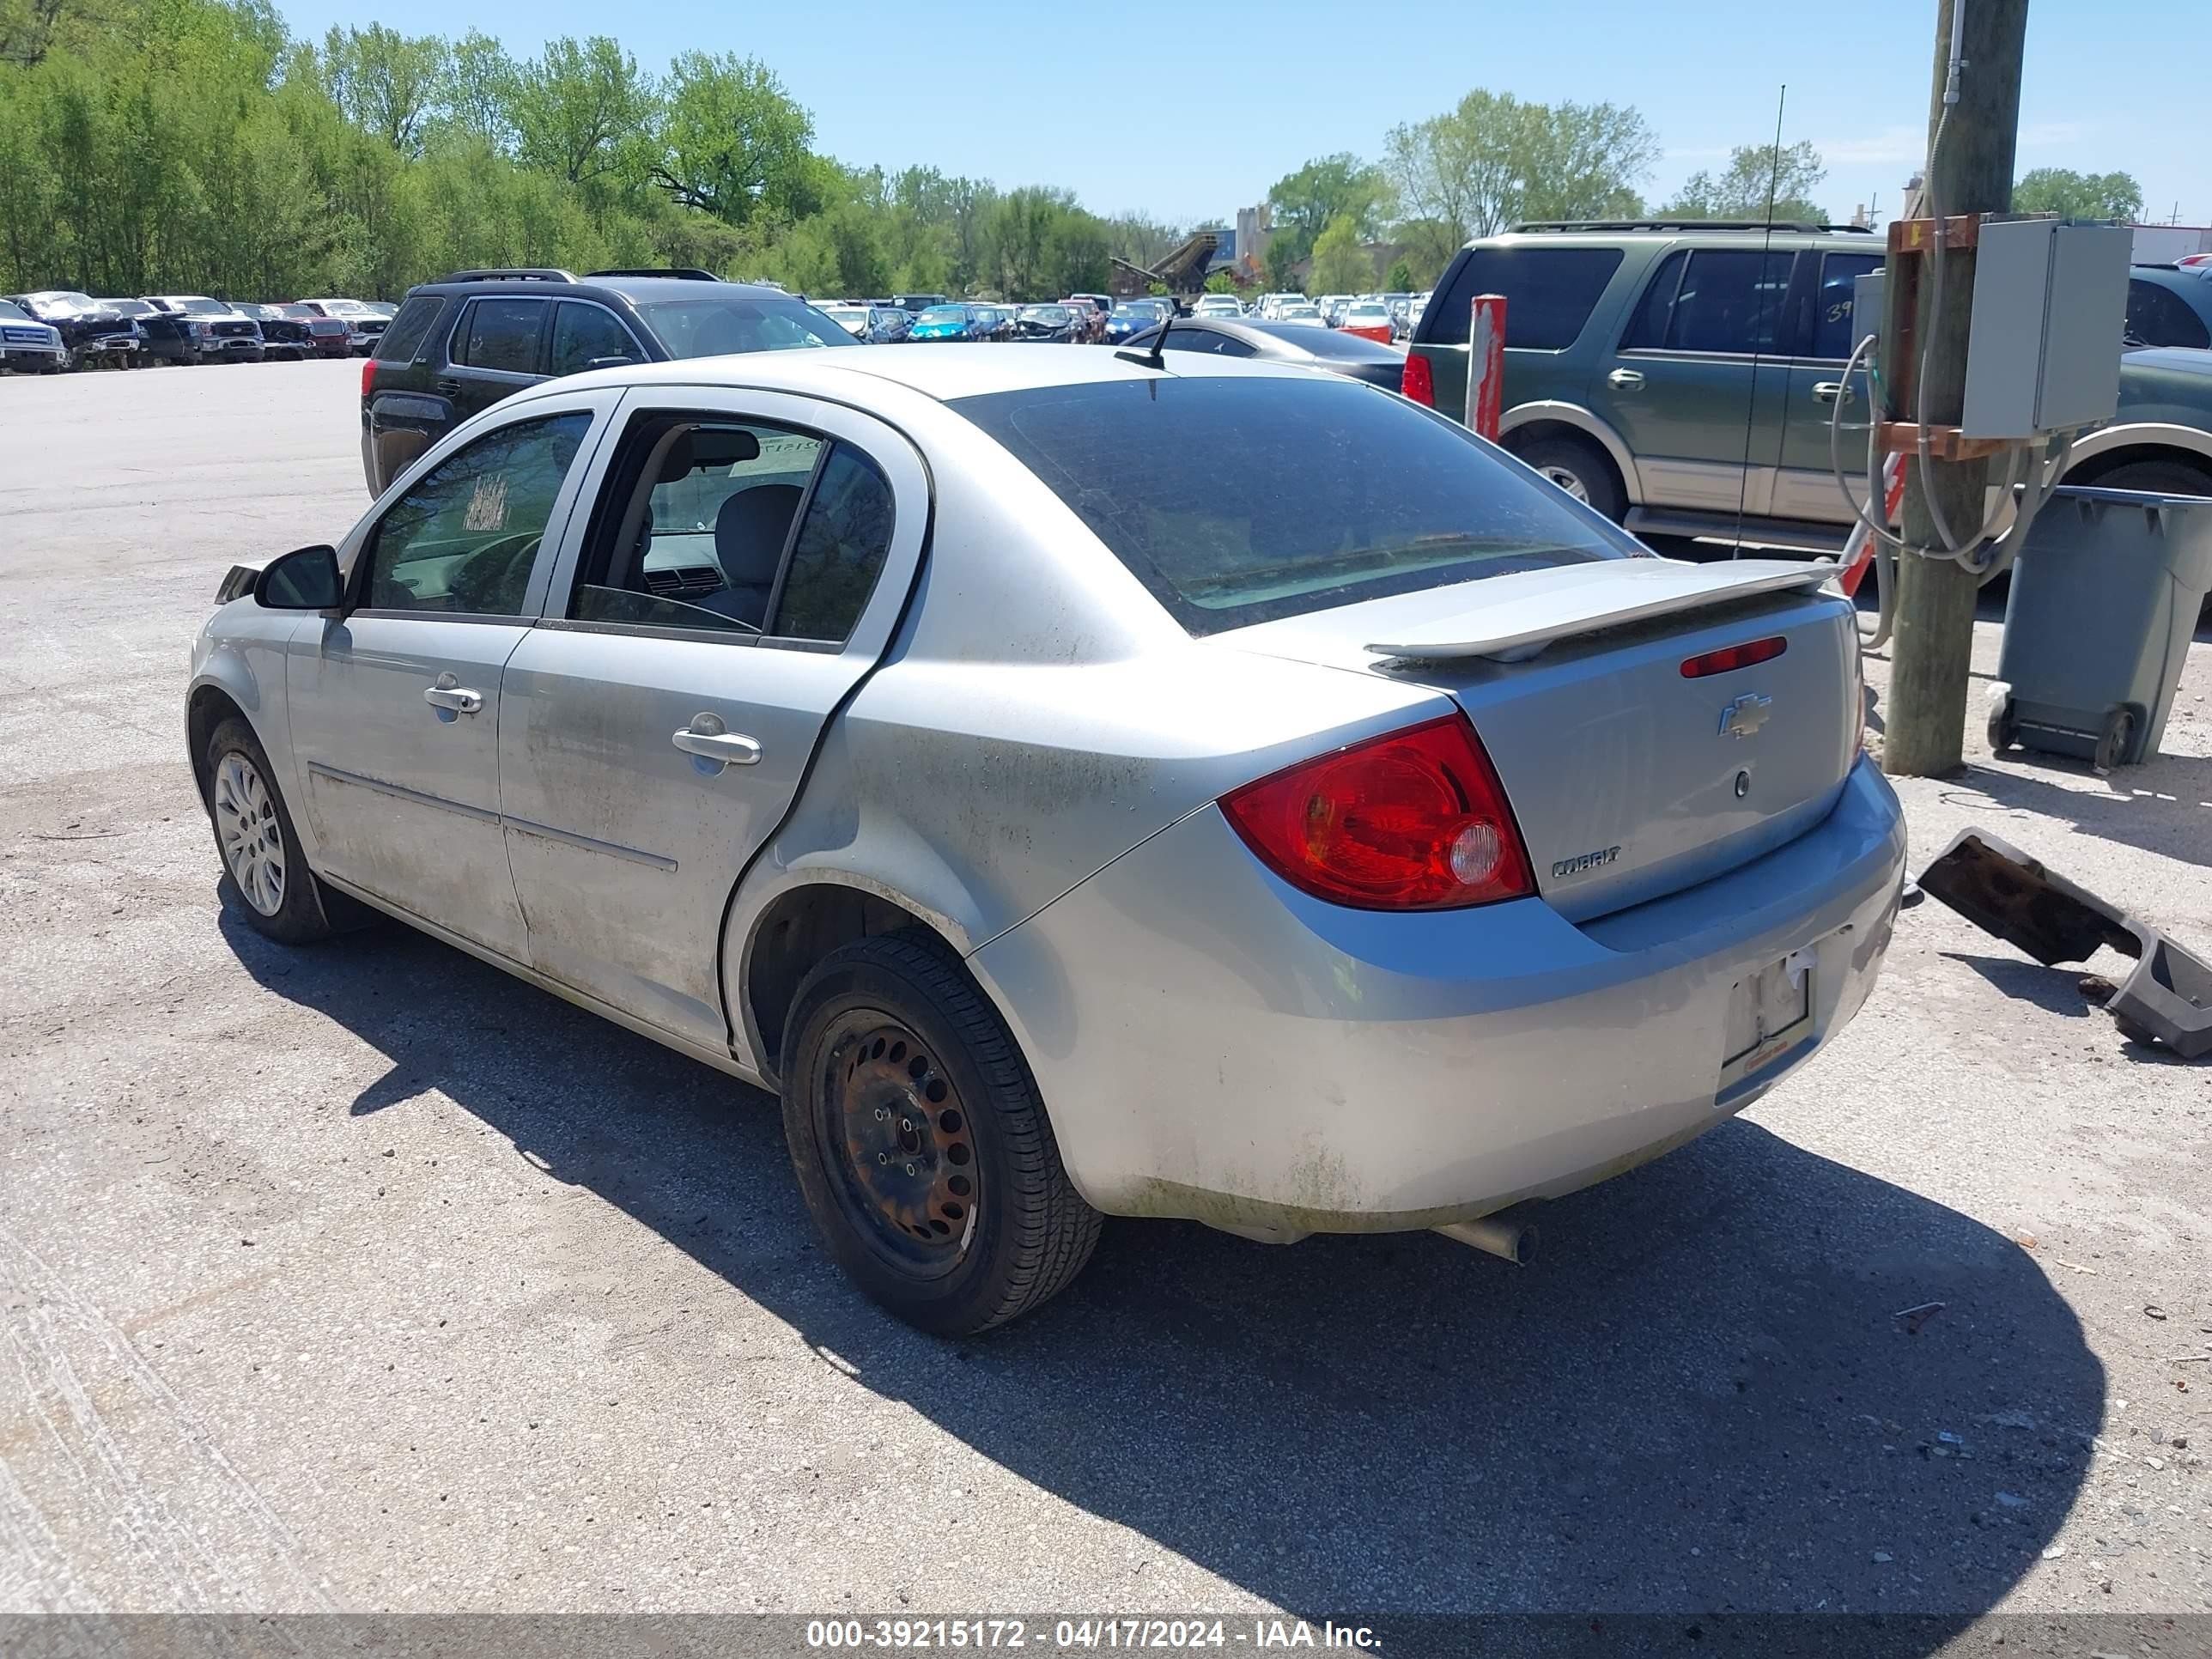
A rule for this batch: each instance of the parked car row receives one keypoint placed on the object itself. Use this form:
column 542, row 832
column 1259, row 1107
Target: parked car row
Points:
column 55, row 329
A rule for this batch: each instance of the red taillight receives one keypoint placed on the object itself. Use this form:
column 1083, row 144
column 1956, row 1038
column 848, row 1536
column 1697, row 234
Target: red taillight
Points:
column 1418, row 383
column 1413, row 821
column 367, row 375
column 1733, row 656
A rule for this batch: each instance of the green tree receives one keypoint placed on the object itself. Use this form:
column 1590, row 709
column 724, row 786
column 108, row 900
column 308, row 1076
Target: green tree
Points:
column 479, row 93
column 2079, row 195
column 578, row 108
column 1340, row 264
column 1401, row 279
column 1220, row 283
column 732, row 142
column 1754, row 172
column 1140, row 239
column 1333, row 187
column 386, row 83
column 1493, row 160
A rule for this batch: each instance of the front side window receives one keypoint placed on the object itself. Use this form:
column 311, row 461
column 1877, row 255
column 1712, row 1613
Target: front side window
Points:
column 1236, row 500
column 583, row 334
column 463, row 539
column 1550, row 293
column 500, row 334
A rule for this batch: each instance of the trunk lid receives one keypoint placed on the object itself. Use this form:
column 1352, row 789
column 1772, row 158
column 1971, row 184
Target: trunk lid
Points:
column 1629, row 779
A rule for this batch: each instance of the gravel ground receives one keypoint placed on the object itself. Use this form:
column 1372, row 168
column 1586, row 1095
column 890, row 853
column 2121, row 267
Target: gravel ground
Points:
column 364, row 1277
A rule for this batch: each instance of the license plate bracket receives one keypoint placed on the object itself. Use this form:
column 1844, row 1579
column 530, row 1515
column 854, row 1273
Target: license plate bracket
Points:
column 1769, row 1013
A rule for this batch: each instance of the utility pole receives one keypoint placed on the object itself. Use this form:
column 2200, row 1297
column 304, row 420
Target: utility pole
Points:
column 1970, row 171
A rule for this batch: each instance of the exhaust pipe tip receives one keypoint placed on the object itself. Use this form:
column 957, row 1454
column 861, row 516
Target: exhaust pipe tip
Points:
column 1499, row 1236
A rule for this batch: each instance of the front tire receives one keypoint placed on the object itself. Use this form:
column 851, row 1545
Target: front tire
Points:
column 921, row 1145
column 265, row 874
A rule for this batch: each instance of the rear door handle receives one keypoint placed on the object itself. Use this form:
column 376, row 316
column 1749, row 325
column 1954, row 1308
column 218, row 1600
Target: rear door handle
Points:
column 730, row 748
column 1624, row 379
column 451, row 388
column 1829, row 391
column 458, row 698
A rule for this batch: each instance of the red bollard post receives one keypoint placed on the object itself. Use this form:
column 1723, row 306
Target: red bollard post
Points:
column 1485, row 364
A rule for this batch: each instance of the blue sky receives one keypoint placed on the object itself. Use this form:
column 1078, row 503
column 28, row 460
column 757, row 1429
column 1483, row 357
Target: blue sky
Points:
column 1192, row 120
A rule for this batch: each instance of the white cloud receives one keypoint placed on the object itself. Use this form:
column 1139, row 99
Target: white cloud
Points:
column 1896, row 143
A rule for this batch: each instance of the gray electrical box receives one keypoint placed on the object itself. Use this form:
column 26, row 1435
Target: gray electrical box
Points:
column 1869, row 304
column 2051, row 302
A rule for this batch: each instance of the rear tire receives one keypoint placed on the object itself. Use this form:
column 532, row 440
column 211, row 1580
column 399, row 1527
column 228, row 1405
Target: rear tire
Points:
column 2160, row 477
column 265, row 874
column 1581, row 469
column 921, row 1145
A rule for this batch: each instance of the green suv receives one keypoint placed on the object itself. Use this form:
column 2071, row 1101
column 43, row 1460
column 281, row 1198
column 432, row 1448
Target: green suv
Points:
column 1680, row 376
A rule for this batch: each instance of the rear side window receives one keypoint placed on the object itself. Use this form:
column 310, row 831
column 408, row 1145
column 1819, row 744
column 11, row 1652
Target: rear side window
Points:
column 843, row 541
column 399, row 342
column 1720, row 299
column 1835, row 330
column 500, row 334
column 2156, row 316
column 1235, row 500
column 1550, row 293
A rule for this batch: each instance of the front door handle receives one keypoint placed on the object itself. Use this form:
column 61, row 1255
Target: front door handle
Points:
column 1829, row 391
column 458, row 698
column 711, row 742
column 1624, row 379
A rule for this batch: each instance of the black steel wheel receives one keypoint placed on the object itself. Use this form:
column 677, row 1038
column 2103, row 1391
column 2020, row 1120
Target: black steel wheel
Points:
column 2003, row 730
column 921, row 1145
column 2112, row 742
column 908, row 1177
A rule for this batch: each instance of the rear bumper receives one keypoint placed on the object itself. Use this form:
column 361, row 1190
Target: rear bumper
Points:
column 1212, row 1044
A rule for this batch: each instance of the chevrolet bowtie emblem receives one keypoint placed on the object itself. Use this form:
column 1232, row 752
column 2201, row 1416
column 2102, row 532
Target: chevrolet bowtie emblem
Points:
column 1743, row 717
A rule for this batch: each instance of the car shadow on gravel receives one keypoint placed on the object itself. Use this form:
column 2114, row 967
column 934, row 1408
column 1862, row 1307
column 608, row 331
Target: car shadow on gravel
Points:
column 1706, row 1394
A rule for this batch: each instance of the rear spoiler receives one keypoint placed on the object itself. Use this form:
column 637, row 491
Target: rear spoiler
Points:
column 1562, row 604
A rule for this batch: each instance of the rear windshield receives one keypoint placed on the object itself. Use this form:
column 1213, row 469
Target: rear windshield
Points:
column 1236, row 500
column 1550, row 293
column 714, row 327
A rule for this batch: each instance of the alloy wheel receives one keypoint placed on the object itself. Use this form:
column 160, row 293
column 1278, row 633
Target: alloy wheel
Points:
column 252, row 838
column 895, row 1129
column 1567, row 480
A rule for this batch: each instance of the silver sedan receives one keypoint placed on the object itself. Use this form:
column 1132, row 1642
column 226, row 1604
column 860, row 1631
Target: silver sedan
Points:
column 1078, row 782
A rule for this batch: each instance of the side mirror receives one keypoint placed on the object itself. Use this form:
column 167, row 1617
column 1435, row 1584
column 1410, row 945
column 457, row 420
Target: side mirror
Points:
column 306, row 578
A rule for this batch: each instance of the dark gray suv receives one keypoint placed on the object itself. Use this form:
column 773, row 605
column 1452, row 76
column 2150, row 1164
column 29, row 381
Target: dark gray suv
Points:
column 460, row 344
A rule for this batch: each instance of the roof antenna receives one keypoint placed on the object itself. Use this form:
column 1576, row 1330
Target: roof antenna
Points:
column 1151, row 358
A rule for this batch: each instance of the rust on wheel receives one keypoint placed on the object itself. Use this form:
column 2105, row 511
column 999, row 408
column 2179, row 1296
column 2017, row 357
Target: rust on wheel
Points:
column 910, row 1168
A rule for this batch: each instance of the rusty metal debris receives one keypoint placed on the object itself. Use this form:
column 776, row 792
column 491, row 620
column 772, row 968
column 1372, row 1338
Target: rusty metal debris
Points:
column 2168, row 997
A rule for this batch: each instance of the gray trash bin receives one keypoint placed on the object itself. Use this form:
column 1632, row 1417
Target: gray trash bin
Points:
column 2105, row 597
